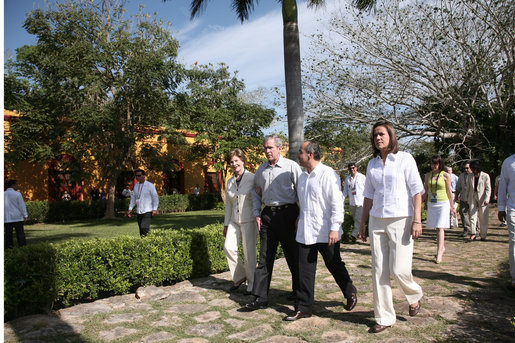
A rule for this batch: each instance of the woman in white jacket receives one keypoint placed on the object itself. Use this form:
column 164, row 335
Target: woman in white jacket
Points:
column 239, row 223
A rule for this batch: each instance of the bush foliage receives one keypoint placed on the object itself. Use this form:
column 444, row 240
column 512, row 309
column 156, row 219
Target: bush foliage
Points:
column 42, row 277
column 61, row 211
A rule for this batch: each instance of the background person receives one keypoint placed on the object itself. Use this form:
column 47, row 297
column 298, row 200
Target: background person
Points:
column 276, row 187
column 144, row 198
column 319, row 230
column 461, row 191
column 478, row 197
column 353, row 189
column 127, row 193
column 496, row 193
column 439, row 201
column 239, row 223
column 393, row 198
column 454, row 183
column 506, row 208
column 15, row 213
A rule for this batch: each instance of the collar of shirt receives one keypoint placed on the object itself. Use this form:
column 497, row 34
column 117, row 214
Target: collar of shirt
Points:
column 279, row 163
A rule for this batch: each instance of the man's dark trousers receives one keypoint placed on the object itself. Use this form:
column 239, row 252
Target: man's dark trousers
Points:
column 8, row 234
column 144, row 221
column 307, row 271
column 277, row 226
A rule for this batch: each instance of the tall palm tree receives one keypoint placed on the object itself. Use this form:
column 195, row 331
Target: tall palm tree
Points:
column 292, row 68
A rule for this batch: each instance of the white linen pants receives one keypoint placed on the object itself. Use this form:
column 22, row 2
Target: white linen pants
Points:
column 246, row 234
column 356, row 212
column 392, row 255
column 478, row 212
column 510, row 220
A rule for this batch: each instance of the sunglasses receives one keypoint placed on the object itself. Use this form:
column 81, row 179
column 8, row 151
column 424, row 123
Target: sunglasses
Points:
column 138, row 175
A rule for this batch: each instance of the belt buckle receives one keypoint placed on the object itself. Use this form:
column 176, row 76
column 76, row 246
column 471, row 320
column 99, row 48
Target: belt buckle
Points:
column 274, row 208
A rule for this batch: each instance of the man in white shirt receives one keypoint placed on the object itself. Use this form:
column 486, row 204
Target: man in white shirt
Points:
column 15, row 213
column 353, row 189
column 506, row 208
column 319, row 230
column 144, row 197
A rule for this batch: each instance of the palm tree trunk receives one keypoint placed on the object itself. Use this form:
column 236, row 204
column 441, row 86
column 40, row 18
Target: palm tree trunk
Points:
column 292, row 71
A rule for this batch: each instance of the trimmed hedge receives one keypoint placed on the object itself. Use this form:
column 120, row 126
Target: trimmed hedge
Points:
column 60, row 211
column 42, row 277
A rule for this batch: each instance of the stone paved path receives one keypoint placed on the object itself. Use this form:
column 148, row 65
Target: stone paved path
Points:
column 465, row 300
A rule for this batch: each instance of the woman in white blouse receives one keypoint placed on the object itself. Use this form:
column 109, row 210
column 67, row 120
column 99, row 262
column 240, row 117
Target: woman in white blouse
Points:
column 393, row 198
column 239, row 224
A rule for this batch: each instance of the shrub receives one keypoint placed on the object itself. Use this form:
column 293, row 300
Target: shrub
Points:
column 61, row 211
column 45, row 276
column 173, row 203
column 29, row 280
column 206, row 201
column 37, row 211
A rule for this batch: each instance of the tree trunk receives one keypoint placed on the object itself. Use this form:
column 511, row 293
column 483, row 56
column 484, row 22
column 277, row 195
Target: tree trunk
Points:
column 109, row 214
column 292, row 72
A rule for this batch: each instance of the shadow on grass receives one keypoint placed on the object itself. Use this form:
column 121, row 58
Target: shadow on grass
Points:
column 489, row 316
column 58, row 237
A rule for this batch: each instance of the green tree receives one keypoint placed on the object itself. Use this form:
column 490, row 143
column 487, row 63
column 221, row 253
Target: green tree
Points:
column 93, row 86
column 341, row 144
column 292, row 65
column 441, row 71
column 212, row 107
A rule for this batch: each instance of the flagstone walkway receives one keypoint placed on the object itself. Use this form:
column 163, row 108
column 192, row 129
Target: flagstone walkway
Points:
column 465, row 300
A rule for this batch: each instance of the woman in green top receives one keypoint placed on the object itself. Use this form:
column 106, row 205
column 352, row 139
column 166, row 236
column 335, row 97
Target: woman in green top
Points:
column 438, row 200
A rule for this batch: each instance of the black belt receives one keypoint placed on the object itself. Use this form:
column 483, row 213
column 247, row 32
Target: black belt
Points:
column 278, row 208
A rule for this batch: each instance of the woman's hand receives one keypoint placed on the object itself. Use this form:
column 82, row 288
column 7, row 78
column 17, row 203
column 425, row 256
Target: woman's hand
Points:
column 416, row 229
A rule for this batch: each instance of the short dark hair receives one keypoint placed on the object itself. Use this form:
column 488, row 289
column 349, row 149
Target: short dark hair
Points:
column 139, row 171
column 476, row 165
column 11, row 183
column 314, row 147
column 393, row 147
column 437, row 159
column 352, row 164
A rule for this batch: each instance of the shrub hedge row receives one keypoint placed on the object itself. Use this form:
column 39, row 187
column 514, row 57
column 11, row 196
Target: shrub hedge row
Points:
column 59, row 211
column 44, row 276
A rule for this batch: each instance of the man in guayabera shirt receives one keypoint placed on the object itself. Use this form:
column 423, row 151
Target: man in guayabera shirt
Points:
column 275, row 182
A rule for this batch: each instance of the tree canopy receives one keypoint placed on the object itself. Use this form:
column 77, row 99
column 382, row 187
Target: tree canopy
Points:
column 97, row 84
column 437, row 69
column 212, row 106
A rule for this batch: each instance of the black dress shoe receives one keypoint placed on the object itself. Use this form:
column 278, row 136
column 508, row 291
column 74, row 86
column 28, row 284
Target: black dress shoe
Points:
column 378, row 328
column 353, row 300
column 298, row 315
column 247, row 293
column 256, row 305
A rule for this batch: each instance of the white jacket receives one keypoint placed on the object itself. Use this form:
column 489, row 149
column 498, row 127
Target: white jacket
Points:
column 238, row 200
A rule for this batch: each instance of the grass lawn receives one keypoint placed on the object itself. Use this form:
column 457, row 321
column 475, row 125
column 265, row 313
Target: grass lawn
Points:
column 98, row 228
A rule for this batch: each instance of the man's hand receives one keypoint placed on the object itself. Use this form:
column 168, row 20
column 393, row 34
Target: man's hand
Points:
column 333, row 237
column 362, row 234
column 129, row 214
column 154, row 213
column 258, row 222
column 502, row 216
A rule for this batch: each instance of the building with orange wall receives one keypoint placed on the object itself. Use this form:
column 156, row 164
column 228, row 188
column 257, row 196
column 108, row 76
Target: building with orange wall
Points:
column 47, row 181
